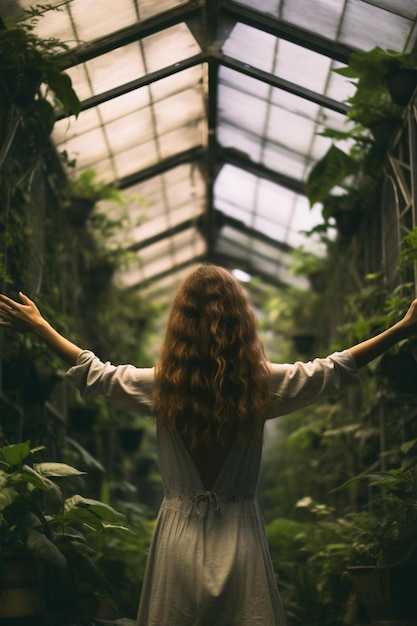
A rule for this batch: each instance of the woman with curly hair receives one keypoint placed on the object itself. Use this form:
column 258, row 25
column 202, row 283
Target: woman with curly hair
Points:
column 210, row 393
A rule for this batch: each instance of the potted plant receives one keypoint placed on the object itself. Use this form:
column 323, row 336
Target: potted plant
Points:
column 27, row 58
column 378, row 69
column 345, row 182
column 372, row 103
column 84, row 192
column 314, row 267
column 384, row 545
column 39, row 526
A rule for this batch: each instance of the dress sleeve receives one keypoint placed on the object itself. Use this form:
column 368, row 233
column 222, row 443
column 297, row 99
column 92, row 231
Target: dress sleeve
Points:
column 124, row 386
column 297, row 385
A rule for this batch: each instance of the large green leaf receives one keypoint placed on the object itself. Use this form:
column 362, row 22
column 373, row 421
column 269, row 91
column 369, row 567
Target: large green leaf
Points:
column 15, row 453
column 329, row 172
column 29, row 475
column 90, row 513
column 105, row 511
column 56, row 469
column 41, row 547
column 61, row 85
column 7, row 496
column 23, row 511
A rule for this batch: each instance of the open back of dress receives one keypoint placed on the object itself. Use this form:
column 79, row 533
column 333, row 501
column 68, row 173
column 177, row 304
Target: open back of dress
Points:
column 209, row 563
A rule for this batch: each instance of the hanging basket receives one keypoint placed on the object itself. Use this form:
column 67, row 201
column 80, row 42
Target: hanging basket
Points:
column 383, row 130
column 318, row 281
column 401, row 85
column 79, row 211
column 101, row 276
column 21, row 86
column 348, row 221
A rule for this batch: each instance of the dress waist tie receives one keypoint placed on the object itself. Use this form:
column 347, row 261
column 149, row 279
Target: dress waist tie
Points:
column 209, row 496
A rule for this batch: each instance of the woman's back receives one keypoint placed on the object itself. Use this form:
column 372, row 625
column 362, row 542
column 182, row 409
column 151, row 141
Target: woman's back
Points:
column 209, row 559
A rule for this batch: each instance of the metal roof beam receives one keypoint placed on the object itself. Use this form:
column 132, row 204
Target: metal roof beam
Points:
column 150, row 78
column 187, row 156
column 213, row 59
column 175, row 268
column 233, row 157
column 230, row 262
column 280, row 83
column 224, row 220
column 170, row 232
column 289, row 32
column 219, row 220
column 128, row 35
column 220, row 259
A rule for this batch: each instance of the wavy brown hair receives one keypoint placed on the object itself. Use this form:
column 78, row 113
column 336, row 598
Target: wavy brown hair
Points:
column 211, row 381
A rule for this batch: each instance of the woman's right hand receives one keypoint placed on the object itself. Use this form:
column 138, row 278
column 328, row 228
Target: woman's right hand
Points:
column 26, row 317
column 22, row 316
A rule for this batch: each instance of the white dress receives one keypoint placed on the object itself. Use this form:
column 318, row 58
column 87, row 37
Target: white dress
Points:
column 209, row 563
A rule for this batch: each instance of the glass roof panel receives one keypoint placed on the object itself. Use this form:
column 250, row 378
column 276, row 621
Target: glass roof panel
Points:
column 279, row 57
column 365, row 26
column 359, row 23
column 150, row 8
column 66, row 130
column 320, row 16
column 115, row 68
column 55, row 24
column 278, row 129
column 166, row 218
column 164, row 255
column 268, row 208
column 123, row 105
column 402, row 7
column 105, row 21
column 168, row 47
column 122, row 135
column 153, row 128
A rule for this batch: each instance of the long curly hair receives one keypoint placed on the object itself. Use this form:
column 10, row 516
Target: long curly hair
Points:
column 211, row 381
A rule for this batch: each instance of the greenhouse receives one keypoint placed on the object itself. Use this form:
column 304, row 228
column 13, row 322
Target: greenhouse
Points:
column 209, row 187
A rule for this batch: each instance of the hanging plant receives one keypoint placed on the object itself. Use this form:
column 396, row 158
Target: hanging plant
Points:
column 84, row 191
column 345, row 183
column 29, row 61
column 371, row 101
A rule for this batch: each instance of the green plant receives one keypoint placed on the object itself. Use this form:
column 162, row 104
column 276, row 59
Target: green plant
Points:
column 345, row 181
column 386, row 535
column 87, row 186
column 308, row 557
column 34, row 516
column 371, row 100
column 408, row 253
column 305, row 263
column 123, row 558
column 24, row 54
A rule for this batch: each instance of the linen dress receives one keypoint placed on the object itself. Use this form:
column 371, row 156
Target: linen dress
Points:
column 209, row 563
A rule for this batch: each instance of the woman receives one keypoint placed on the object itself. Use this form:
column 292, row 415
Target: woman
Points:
column 210, row 393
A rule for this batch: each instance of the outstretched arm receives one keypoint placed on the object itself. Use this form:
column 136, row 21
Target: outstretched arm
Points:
column 370, row 349
column 25, row 316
